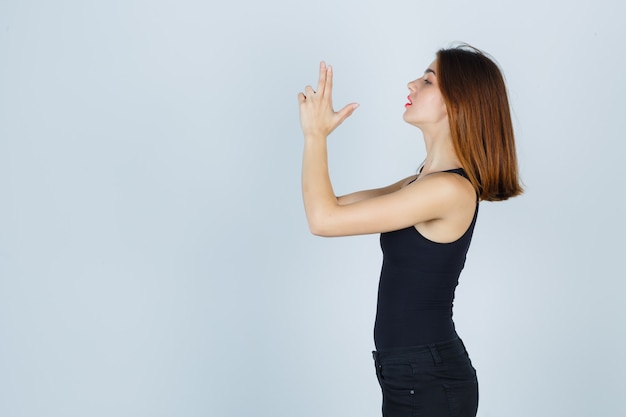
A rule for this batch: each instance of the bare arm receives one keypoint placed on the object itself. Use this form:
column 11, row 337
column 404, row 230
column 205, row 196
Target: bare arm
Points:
column 400, row 205
column 376, row 192
column 318, row 120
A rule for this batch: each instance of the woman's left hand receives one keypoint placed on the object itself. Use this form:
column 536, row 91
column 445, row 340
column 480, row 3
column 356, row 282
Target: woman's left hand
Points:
column 317, row 117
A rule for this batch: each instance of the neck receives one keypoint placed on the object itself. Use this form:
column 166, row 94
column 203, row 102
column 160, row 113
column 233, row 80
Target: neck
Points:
column 440, row 153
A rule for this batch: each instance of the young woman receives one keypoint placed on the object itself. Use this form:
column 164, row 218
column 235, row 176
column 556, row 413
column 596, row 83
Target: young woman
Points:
column 426, row 222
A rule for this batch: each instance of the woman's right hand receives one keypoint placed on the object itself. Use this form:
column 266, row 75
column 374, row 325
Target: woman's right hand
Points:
column 317, row 116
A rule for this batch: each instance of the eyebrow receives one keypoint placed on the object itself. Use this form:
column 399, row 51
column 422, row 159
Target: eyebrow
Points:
column 429, row 70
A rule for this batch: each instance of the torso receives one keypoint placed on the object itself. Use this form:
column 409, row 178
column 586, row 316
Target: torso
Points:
column 421, row 267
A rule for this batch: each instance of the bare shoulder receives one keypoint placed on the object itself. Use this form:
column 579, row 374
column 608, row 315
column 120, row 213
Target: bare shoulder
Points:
column 447, row 186
column 457, row 206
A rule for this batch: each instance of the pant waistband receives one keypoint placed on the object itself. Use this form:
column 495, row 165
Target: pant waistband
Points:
column 436, row 352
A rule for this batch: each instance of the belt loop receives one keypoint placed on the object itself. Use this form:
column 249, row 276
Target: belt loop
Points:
column 377, row 365
column 376, row 357
column 435, row 353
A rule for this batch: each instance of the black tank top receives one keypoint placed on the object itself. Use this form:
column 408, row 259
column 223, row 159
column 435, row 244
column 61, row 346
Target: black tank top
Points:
column 416, row 288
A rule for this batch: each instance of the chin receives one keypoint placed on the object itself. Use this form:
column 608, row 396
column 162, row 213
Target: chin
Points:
column 410, row 120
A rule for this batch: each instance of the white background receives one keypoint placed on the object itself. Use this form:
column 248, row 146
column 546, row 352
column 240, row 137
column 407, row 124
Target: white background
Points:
column 154, row 254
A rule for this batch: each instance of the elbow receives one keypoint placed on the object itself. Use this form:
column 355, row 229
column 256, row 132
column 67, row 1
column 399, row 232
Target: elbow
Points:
column 319, row 228
column 322, row 220
column 320, row 233
column 315, row 232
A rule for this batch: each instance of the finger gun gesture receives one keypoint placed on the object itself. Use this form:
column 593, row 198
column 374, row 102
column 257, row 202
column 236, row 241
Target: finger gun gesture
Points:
column 317, row 116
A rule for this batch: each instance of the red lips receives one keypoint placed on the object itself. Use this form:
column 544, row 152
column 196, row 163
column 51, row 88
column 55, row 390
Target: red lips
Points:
column 409, row 103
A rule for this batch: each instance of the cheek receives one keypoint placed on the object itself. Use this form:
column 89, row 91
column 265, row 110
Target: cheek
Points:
column 439, row 106
column 444, row 108
column 433, row 105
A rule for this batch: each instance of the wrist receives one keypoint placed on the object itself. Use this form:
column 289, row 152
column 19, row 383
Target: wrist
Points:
column 314, row 136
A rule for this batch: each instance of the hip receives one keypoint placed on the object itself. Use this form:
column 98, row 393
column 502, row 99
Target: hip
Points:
column 433, row 380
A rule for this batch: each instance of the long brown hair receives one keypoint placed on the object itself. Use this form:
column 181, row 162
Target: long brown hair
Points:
column 475, row 94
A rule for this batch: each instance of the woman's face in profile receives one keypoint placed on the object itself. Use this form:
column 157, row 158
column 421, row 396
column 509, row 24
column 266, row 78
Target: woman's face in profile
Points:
column 425, row 104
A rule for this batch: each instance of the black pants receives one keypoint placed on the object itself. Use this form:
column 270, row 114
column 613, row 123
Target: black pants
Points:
column 427, row 381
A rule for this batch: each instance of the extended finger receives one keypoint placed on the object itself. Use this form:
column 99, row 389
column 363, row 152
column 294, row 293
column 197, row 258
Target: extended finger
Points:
column 328, row 89
column 321, row 83
column 344, row 113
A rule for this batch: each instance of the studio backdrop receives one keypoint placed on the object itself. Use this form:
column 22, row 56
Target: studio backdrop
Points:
column 154, row 254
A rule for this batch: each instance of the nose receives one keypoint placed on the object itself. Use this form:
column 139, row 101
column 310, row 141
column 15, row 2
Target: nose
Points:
column 411, row 85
